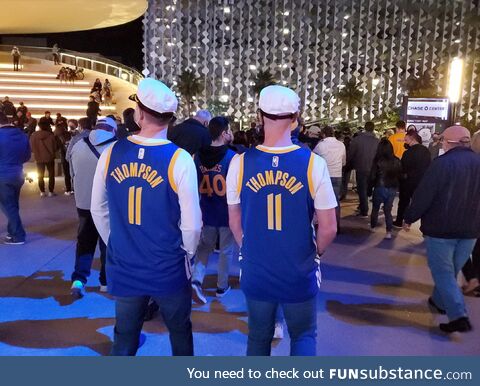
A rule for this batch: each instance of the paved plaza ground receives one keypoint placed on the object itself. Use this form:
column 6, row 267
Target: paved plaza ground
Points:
column 372, row 300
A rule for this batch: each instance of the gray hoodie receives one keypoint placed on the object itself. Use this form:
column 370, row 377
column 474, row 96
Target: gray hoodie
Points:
column 83, row 163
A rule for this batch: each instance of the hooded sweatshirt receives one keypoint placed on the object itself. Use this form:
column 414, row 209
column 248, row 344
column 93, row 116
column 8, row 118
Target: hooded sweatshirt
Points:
column 14, row 152
column 212, row 165
column 83, row 163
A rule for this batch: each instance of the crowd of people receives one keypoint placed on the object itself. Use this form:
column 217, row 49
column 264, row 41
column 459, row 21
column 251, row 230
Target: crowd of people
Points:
column 70, row 75
column 159, row 197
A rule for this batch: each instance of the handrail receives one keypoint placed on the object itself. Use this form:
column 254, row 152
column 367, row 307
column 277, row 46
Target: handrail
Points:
column 90, row 61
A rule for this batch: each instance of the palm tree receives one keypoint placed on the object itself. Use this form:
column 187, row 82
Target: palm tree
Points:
column 262, row 80
column 351, row 95
column 189, row 86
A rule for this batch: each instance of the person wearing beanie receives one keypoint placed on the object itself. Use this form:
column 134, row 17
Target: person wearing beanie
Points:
column 273, row 192
column 145, row 206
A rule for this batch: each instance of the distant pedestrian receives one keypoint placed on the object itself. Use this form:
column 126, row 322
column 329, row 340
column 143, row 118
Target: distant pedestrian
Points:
column 383, row 185
column 335, row 155
column 14, row 152
column 83, row 160
column 16, row 58
column 415, row 162
column 44, row 146
column 398, row 139
column 360, row 157
column 56, row 54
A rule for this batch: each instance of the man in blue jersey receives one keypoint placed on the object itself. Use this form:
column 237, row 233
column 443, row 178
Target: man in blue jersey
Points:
column 273, row 192
column 212, row 166
column 146, row 208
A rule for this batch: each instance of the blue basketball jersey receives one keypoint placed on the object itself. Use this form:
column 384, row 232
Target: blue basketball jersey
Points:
column 278, row 250
column 144, row 255
column 213, row 191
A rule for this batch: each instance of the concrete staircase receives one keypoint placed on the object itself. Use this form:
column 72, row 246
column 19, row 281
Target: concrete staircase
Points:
column 36, row 85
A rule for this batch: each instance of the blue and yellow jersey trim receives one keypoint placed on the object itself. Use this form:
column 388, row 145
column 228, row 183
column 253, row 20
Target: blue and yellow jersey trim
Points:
column 240, row 173
column 279, row 151
column 107, row 160
column 310, row 175
column 154, row 142
column 171, row 167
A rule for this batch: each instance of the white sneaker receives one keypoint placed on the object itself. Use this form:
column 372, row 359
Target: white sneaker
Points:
column 372, row 230
column 278, row 334
column 388, row 236
column 77, row 289
column 51, row 194
column 103, row 288
column 43, row 194
column 68, row 193
column 197, row 293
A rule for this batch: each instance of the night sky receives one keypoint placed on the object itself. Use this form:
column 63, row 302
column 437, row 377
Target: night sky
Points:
column 122, row 43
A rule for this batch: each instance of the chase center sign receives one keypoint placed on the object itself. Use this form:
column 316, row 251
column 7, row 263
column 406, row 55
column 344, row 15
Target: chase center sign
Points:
column 427, row 116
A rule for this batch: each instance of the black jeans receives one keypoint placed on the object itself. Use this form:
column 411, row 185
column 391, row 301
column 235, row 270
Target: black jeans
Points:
column 471, row 269
column 51, row 175
column 87, row 239
column 362, row 188
column 66, row 174
column 175, row 309
column 9, row 204
column 405, row 196
column 16, row 63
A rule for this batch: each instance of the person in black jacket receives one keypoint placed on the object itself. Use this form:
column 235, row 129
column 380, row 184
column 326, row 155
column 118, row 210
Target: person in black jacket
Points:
column 415, row 162
column 447, row 202
column 192, row 134
column 93, row 110
column 360, row 157
column 384, row 181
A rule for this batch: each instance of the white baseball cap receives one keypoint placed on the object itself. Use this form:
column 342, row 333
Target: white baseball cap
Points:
column 279, row 100
column 107, row 121
column 156, row 96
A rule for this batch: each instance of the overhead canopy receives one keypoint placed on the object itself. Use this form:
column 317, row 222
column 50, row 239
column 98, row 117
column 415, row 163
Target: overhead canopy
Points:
column 49, row 16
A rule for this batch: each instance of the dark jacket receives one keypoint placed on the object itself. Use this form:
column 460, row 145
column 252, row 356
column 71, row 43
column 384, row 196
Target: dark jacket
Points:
column 190, row 135
column 30, row 126
column 361, row 152
column 93, row 108
column 415, row 162
column 212, row 155
column 385, row 173
column 447, row 199
column 9, row 109
column 44, row 120
column 14, row 152
column 44, row 146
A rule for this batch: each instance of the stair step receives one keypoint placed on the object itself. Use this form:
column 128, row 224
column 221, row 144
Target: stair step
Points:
column 22, row 74
column 42, row 81
column 49, row 97
column 60, row 88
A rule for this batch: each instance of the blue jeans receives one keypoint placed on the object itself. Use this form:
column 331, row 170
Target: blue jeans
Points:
column 446, row 257
column 385, row 196
column 9, row 204
column 337, row 187
column 175, row 310
column 362, row 188
column 301, row 319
